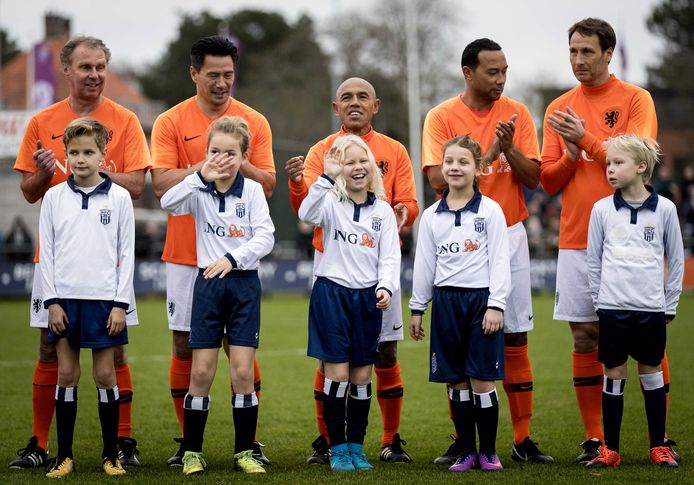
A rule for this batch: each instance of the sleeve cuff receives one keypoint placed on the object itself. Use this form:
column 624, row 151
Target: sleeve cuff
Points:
column 416, row 312
column 120, row 304
column 50, row 301
column 669, row 317
column 332, row 182
column 384, row 289
column 231, row 260
column 495, row 308
column 202, row 179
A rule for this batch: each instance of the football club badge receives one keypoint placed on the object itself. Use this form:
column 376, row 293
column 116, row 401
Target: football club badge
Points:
column 479, row 224
column 376, row 223
column 648, row 233
column 240, row 209
column 105, row 215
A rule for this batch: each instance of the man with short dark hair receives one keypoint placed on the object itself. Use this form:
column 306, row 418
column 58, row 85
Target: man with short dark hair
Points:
column 505, row 130
column 40, row 161
column 178, row 143
column 573, row 163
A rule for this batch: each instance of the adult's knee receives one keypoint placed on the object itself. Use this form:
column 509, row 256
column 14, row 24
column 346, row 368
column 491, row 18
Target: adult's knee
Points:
column 516, row 339
column 387, row 355
column 180, row 345
column 47, row 352
column 119, row 357
column 585, row 337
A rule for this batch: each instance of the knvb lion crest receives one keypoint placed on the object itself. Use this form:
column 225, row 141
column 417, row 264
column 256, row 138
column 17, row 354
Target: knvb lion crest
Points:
column 376, row 223
column 648, row 233
column 383, row 165
column 36, row 304
column 105, row 215
column 240, row 209
column 479, row 224
column 611, row 118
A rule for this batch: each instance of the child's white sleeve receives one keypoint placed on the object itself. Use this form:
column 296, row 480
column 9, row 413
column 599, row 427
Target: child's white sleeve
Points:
column 596, row 241
column 424, row 265
column 178, row 199
column 674, row 250
column 46, row 265
column 389, row 255
column 312, row 209
column 499, row 259
column 126, row 252
column 261, row 242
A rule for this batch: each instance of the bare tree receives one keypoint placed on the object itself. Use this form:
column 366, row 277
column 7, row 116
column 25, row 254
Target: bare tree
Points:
column 373, row 45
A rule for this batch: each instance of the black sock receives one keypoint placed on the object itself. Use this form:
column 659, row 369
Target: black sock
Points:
column 108, row 417
column 487, row 419
column 195, row 411
column 334, row 394
column 612, row 410
column 358, row 404
column 244, row 409
column 65, row 417
column 463, row 415
column 656, row 410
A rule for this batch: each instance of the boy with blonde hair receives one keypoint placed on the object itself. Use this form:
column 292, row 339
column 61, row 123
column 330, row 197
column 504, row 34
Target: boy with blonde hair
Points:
column 629, row 236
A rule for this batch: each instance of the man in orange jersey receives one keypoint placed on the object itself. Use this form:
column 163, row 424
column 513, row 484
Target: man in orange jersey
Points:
column 42, row 165
column 506, row 132
column 573, row 162
column 179, row 137
column 355, row 105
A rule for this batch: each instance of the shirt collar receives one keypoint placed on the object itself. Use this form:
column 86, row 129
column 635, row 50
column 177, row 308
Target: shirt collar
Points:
column 651, row 202
column 236, row 188
column 473, row 205
column 102, row 188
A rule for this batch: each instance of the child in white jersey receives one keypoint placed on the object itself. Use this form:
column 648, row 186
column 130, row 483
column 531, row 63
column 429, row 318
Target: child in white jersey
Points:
column 87, row 255
column 629, row 236
column 462, row 264
column 355, row 279
column 233, row 232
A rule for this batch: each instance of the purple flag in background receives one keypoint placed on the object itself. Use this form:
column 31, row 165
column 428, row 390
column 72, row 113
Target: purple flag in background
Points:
column 237, row 42
column 43, row 86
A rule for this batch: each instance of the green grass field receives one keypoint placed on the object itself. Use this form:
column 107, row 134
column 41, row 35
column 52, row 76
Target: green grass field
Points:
column 287, row 424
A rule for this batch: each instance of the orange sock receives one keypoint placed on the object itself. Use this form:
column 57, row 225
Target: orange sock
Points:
column 518, row 385
column 318, row 382
column 587, row 373
column 179, row 380
column 125, row 401
column 389, row 393
column 43, row 399
column 666, row 380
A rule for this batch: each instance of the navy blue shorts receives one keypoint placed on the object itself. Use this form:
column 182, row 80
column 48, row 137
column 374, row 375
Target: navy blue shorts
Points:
column 86, row 327
column 459, row 349
column 625, row 333
column 229, row 305
column 343, row 324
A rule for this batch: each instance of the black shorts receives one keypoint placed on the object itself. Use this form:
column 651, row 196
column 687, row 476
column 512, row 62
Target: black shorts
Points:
column 343, row 323
column 459, row 349
column 625, row 333
column 86, row 325
column 229, row 305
